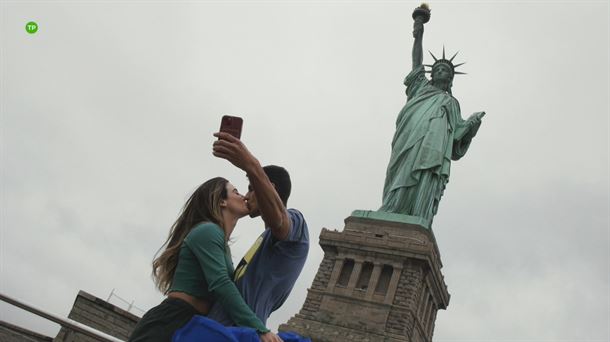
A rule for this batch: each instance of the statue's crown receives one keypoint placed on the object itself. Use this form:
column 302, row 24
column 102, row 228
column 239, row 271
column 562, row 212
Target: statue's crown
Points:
column 445, row 61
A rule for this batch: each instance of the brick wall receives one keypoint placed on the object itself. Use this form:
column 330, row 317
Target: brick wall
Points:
column 99, row 315
column 312, row 302
column 320, row 282
column 401, row 320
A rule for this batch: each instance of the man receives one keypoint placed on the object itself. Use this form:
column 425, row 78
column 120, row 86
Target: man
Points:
column 266, row 274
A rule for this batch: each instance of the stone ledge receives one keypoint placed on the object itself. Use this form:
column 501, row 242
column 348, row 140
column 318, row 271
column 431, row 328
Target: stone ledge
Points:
column 392, row 217
column 20, row 334
column 106, row 305
column 323, row 332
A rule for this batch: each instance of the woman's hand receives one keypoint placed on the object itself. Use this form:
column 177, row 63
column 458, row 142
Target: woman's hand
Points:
column 270, row 337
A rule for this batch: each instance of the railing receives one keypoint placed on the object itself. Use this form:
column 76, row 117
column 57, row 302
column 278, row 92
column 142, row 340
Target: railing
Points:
column 131, row 305
column 64, row 322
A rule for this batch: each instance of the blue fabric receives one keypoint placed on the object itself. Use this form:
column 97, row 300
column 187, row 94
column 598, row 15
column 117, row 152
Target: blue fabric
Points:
column 202, row 329
column 272, row 272
column 292, row 337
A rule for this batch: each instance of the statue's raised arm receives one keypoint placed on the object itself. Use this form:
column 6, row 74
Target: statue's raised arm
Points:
column 421, row 15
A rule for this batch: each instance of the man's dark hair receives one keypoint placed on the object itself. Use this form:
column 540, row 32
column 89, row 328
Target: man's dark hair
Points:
column 281, row 179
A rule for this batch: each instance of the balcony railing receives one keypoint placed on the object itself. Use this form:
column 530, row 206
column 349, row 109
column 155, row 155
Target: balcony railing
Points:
column 64, row 322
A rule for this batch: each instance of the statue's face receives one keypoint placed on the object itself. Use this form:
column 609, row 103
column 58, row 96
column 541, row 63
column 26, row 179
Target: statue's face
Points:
column 442, row 72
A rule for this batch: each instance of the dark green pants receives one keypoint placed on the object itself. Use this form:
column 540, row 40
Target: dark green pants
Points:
column 160, row 322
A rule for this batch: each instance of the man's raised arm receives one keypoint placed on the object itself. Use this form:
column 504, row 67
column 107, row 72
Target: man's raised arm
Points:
column 269, row 202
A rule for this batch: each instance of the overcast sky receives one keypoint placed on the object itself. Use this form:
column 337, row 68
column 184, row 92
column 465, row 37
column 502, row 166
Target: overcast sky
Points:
column 107, row 115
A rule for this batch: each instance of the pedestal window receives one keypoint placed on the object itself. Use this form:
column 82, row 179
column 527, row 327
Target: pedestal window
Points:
column 384, row 279
column 346, row 272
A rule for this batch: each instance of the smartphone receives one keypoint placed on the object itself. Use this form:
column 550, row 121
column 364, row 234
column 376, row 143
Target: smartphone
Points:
column 231, row 125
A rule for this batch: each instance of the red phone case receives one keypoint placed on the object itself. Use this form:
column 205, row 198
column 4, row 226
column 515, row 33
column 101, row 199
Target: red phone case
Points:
column 231, row 125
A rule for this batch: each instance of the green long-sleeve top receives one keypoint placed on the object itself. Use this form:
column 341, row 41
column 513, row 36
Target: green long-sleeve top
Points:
column 205, row 271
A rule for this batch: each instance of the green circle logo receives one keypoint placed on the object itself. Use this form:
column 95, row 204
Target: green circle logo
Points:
column 31, row 27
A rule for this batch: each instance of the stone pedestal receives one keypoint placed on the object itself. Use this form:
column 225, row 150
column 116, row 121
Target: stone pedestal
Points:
column 379, row 281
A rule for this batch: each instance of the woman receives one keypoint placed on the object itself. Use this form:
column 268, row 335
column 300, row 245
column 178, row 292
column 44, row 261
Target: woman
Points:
column 195, row 268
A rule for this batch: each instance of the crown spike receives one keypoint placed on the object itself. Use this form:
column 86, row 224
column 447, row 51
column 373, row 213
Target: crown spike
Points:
column 451, row 60
column 459, row 73
column 457, row 65
column 443, row 51
column 435, row 59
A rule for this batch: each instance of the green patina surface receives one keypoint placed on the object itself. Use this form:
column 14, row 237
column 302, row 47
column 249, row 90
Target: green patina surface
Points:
column 392, row 217
column 430, row 133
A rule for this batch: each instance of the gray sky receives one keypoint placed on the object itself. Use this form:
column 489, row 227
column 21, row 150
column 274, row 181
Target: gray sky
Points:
column 107, row 115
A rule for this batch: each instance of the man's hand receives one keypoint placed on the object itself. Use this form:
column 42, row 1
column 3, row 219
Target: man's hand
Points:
column 270, row 337
column 232, row 149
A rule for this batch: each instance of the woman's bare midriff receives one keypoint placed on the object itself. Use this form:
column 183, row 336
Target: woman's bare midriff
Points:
column 201, row 305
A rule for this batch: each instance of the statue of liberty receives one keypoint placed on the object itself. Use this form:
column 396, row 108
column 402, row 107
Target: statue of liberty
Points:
column 430, row 132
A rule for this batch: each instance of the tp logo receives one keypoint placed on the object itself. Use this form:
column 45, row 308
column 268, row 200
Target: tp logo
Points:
column 31, row 27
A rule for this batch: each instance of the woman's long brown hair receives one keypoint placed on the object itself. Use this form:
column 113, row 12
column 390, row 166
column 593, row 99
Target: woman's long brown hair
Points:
column 202, row 206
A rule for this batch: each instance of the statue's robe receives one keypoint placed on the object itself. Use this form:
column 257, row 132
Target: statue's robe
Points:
column 430, row 132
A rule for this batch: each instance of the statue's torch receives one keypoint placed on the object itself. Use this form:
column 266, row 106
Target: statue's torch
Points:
column 422, row 13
